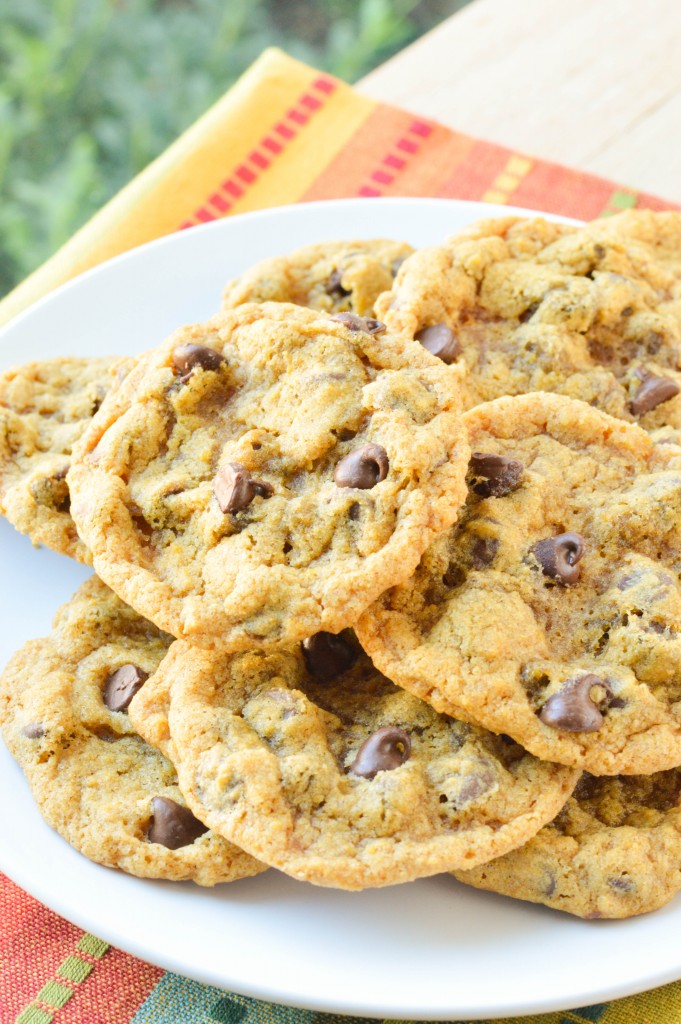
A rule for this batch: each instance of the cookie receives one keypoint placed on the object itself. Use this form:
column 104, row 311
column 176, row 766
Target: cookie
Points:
column 613, row 851
column 528, row 305
column 44, row 409
column 552, row 610
column 269, row 473
column 332, row 276
column 63, row 713
column 316, row 764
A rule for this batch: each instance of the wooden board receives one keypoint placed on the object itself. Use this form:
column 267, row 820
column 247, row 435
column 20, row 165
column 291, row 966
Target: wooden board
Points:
column 591, row 83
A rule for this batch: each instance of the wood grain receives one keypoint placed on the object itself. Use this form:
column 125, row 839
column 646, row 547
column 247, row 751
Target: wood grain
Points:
column 591, row 83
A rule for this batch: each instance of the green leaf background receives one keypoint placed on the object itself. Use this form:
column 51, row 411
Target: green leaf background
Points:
column 92, row 90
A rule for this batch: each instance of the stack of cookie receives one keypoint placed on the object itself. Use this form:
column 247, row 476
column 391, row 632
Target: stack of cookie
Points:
column 387, row 559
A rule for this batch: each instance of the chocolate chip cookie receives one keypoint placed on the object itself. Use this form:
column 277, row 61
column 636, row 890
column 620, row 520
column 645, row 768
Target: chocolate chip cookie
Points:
column 551, row 611
column 334, row 276
column 613, row 851
column 268, row 473
column 44, row 409
column 318, row 765
column 63, row 712
column 528, row 305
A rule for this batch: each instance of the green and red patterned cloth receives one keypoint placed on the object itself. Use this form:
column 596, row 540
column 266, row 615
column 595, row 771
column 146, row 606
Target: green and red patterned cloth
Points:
column 285, row 133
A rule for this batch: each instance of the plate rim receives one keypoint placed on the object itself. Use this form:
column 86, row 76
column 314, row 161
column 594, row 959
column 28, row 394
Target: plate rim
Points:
column 286, row 209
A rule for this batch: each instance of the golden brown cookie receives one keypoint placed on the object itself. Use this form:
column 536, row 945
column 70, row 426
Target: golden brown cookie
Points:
column 332, row 276
column 318, row 765
column 269, row 473
column 44, row 409
column 592, row 312
column 63, row 712
column 552, row 610
column 613, row 851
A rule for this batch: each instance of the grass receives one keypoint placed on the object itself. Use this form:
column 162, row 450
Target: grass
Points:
column 92, row 90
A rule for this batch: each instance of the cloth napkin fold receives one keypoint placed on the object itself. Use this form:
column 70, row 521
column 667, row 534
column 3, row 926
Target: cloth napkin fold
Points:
column 285, row 133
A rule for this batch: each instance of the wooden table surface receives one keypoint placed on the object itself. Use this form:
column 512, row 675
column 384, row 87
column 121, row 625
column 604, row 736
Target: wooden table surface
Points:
column 591, row 83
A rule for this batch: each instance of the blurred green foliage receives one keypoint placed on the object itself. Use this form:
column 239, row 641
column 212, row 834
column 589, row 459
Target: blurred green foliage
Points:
column 92, row 90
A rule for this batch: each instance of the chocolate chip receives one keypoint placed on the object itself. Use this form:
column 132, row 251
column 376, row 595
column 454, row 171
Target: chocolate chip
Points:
column 360, row 323
column 188, row 357
column 33, row 731
column 528, row 313
column 439, row 340
column 653, row 392
column 173, row 825
column 385, row 749
column 235, row 488
column 453, row 577
column 500, row 474
column 334, row 285
column 107, row 735
column 327, row 656
column 363, row 468
column 559, row 556
column 621, row 884
column 549, row 884
column 52, row 491
column 122, row 685
column 573, row 708
column 475, row 785
column 484, row 551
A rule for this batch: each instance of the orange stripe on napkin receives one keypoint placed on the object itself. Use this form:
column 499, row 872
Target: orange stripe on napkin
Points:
column 286, row 132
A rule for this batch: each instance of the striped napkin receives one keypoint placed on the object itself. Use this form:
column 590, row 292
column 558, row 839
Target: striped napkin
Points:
column 285, row 133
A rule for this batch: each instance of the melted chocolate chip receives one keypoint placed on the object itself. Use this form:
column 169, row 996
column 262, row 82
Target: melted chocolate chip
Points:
column 122, row 685
column 652, row 342
column 107, row 735
column 33, row 731
column 621, row 884
column 559, row 556
column 173, row 825
column 476, row 785
column 653, row 392
column 500, row 474
column 549, row 884
column 235, row 488
column 484, row 552
column 188, row 357
column 439, row 340
column 334, row 285
column 528, row 313
column 52, row 491
column 453, row 577
column 328, row 656
column 360, row 323
column 573, row 709
column 385, row 749
column 363, row 468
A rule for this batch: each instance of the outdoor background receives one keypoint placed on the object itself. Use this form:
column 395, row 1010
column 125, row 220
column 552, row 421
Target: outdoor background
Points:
column 92, row 90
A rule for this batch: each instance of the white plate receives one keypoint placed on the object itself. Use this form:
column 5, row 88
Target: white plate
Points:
column 431, row 949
